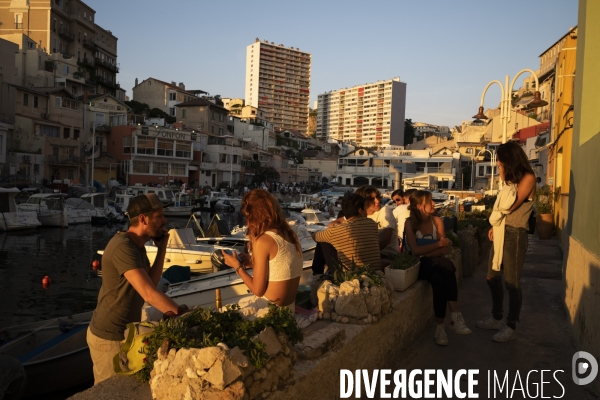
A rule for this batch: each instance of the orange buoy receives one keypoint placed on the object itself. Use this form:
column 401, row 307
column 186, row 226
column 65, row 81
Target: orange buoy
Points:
column 95, row 265
column 46, row 281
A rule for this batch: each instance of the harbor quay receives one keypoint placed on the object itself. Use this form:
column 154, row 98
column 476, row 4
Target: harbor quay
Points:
column 401, row 341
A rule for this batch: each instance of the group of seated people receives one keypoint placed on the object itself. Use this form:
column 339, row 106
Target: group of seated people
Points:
column 365, row 232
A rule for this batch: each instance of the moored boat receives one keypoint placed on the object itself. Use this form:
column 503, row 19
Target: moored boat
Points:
column 54, row 353
column 11, row 218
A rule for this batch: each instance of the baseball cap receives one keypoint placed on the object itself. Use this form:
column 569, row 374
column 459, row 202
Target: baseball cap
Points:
column 144, row 204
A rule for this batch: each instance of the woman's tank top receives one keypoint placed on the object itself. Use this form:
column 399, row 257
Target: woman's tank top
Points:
column 519, row 217
column 419, row 235
column 287, row 264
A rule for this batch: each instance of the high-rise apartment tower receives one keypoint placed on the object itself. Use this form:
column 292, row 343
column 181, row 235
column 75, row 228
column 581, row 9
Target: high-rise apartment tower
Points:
column 278, row 82
column 371, row 115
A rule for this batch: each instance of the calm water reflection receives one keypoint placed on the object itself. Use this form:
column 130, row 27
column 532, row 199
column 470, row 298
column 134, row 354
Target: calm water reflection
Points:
column 65, row 255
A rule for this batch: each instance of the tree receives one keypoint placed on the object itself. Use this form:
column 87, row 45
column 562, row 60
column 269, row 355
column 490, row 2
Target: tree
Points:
column 409, row 132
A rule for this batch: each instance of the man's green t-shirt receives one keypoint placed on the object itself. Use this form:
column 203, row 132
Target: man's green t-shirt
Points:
column 118, row 302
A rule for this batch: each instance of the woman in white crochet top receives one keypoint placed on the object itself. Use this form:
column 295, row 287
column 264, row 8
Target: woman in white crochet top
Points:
column 514, row 168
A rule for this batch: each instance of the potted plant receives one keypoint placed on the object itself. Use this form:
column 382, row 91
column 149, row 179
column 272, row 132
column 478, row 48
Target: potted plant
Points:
column 544, row 217
column 403, row 271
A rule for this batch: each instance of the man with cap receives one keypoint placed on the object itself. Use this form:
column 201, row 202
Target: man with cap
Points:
column 128, row 280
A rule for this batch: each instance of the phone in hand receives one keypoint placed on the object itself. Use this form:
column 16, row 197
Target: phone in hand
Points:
column 229, row 252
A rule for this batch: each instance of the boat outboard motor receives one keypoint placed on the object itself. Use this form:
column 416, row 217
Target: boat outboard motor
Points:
column 218, row 261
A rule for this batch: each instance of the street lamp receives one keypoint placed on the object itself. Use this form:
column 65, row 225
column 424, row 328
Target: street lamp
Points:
column 493, row 160
column 505, row 100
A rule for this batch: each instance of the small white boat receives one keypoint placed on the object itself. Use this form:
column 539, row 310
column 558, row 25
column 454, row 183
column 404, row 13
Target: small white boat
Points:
column 103, row 212
column 182, row 206
column 11, row 218
column 224, row 201
column 49, row 207
column 54, row 353
column 201, row 291
column 165, row 195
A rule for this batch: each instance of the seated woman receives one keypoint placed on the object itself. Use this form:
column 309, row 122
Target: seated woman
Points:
column 276, row 252
column 437, row 270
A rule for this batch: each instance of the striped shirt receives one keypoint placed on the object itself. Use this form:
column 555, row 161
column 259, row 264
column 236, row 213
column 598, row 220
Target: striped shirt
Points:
column 356, row 239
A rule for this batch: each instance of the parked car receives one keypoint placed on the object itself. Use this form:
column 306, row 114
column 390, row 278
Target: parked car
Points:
column 19, row 181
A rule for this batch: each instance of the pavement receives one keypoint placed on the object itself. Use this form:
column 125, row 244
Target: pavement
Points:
column 544, row 340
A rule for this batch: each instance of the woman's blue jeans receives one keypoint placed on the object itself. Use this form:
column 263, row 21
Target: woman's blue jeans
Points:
column 515, row 247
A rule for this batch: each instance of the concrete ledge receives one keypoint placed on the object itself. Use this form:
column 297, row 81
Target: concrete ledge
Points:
column 364, row 347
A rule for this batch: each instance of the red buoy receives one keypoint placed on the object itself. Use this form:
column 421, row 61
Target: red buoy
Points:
column 46, row 280
column 95, row 265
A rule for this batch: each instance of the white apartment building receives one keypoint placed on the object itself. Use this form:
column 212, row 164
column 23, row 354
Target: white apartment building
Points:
column 370, row 115
column 278, row 82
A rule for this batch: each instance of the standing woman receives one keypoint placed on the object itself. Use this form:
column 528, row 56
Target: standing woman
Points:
column 514, row 168
column 436, row 269
column 276, row 253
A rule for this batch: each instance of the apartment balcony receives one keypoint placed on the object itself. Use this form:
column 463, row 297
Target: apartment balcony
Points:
column 18, row 25
column 85, row 62
column 64, row 161
column 66, row 54
column 106, row 64
column 64, row 32
column 49, row 66
column 99, row 127
column 90, row 44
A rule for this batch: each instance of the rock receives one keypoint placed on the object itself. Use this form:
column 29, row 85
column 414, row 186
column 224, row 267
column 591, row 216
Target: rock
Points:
column 263, row 373
column 222, row 373
column 179, row 364
column 171, row 355
column 248, row 381
column 326, row 315
column 323, row 296
column 164, row 366
column 254, row 390
column 223, row 346
column 374, row 319
column 13, row 380
column 334, row 316
column 256, row 376
column 269, row 338
column 351, row 305
column 345, row 320
column 317, row 343
column 205, row 358
column 190, row 373
column 350, row 287
column 374, row 300
column 237, row 357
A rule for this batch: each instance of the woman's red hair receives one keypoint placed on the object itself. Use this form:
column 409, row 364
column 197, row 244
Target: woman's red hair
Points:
column 263, row 213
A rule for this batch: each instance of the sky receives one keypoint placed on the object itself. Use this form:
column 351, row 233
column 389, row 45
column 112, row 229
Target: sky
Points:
column 445, row 51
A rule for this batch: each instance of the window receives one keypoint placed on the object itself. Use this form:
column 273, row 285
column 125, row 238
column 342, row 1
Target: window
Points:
column 165, row 147
column 85, row 14
column 172, row 96
column 25, row 99
column 49, row 130
column 480, row 171
column 76, row 134
column 212, row 129
column 145, row 145
column 183, row 149
column 54, row 25
column 126, row 144
column 178, row 169
column 223, row 158
column 74, row 89
column 221, row 117
column 160, row 168
column 183, row 113
column 35, row 102
column 220, row 131
column 469, row 150
column 141, row 167
column 58, row 102
column 66, row 132
column 212, row 115
column 172, row 111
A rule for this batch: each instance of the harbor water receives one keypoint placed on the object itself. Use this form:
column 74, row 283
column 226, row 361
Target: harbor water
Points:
column 65, row 256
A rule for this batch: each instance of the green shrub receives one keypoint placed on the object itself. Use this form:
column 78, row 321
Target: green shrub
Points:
column 343, row 273
column 205, row 328
column 453, row 238
column 544, row 200
column 404, row 261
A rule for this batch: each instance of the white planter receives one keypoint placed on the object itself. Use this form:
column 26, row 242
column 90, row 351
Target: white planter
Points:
column 401, row 279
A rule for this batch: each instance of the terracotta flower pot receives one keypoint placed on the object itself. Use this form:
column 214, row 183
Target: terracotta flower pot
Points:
column 545, row 225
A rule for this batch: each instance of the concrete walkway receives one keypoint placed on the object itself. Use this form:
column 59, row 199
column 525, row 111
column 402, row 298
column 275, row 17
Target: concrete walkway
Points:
column 544, row 338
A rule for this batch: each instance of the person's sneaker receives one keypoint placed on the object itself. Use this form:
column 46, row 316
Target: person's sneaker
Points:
column 441, row 339
column 491, row 323
column 457, row 324
column 505, row 334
